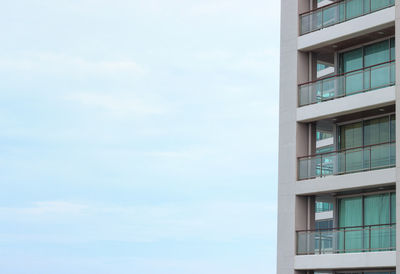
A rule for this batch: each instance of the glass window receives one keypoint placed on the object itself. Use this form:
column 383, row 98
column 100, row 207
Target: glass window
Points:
column 352, row 60
column 351, row 136
column 326, row 224
column 376, row 53
column 376, row 131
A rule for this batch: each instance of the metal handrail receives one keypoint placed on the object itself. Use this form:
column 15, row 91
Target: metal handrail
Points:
column 344, row 150
column 345, row 73
column 338, row 3
column 334, row 239
column 344, row 227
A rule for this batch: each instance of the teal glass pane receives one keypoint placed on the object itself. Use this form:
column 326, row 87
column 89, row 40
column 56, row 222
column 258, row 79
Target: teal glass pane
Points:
column 331, row 15
column 328, row 89
column 352, row 60
column 350, row 214
column 377, row 212
column 354, row 82
column 376, row 53
column 354, row 8
column 351, row 136
column 366, row 6
column 380, row 76
column 380, row 4
column 376, row 131
column 380, row 156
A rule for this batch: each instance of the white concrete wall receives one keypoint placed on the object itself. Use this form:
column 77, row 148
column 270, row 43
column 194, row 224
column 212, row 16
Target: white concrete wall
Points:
column 349, row 104
column 347, row 182
column 288, row 205
column 346, row 261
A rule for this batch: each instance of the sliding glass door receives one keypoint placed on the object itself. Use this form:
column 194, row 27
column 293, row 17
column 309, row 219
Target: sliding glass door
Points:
column 367, row 223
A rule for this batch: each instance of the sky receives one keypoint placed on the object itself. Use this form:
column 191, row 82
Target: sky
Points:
column 138, row 136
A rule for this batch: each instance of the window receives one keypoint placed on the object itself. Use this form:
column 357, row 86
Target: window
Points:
column 375, row 212
column 368, row 144
column 323, row 207
column 371, row 58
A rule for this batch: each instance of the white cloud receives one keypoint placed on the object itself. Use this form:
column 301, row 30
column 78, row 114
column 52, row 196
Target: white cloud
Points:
column 213, row 221
column 119, row 105
column 54, row 62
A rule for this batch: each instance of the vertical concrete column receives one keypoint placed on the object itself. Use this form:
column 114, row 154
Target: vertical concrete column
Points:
column 313, row 66
column 397, row 34
column 287, row 135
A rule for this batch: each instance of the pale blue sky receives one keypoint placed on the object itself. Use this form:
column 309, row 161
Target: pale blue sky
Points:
column 138, row 136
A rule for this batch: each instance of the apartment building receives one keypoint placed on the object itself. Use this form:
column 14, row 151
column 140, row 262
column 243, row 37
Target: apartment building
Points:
column 338, row 156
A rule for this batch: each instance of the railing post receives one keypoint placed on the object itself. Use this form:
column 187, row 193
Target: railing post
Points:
column 320, row 163
column 320, row 242
column 370, row 158
column 344, row 240
column 369, row 238
column 322, row 18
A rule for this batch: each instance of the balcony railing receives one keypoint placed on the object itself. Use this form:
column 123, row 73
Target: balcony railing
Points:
column 347, row 240
column 347, row 161
column 357, row 81
column 339, row 12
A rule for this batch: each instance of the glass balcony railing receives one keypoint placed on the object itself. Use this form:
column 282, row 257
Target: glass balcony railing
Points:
column 339, row 12
column 347, row 161
column 357, row 81
column 370, row 238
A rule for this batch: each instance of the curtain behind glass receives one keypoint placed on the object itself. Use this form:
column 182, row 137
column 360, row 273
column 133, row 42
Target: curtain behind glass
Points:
column 377, row 53
column 374, row 54
column 350, row 214
column 353, row 60
column 377, row 212
column 376, row 131
column 351, row 137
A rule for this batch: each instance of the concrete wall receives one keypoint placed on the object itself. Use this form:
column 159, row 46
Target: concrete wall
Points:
column 289, row 63
column 347, row 261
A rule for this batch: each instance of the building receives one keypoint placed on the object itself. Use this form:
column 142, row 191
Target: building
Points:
column 338, row 156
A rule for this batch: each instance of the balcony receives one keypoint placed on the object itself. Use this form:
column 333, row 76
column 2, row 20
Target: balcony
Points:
column 347, row 161
column 339, row 12
column 353, row 82
column 370, row 238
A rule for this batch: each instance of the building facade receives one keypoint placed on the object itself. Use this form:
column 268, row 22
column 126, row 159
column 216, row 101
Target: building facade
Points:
column 338, row 156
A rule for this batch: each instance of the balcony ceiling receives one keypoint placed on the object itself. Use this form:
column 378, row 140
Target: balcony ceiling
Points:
column 325, row 54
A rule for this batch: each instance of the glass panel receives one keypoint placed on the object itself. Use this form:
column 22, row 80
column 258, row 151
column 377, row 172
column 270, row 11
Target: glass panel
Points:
column 380, row 76
column 352, row 60
column 350, row 214
column 351, row 136
column 354, row 8
column 331, row 15
column 376, row 53
column 377, row 212
column 380, row 4
column 376, row 131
